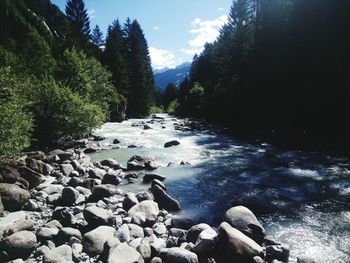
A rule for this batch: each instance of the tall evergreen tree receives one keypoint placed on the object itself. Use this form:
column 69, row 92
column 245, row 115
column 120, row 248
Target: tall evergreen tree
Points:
column 97, row 37
column 79, row 20
column 141, row 91
column 114, row 57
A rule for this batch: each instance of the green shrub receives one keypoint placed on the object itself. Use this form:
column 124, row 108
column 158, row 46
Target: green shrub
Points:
column 15, row 122
column 156, row 109
column 60, row 113
column 173, row 107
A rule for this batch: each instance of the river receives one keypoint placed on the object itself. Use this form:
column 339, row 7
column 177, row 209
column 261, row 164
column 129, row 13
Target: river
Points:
column 301, row 198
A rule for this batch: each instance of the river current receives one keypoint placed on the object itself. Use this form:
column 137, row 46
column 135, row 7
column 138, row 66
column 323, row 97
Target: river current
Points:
column 301, row 198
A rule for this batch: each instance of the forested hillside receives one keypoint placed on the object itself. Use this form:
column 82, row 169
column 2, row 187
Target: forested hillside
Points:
column 59, row 79
column 279, row 69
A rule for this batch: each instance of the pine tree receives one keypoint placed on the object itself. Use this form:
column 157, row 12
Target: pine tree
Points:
column 141, row 91
column 97, row 36
column 79, row 20
column 114, row 57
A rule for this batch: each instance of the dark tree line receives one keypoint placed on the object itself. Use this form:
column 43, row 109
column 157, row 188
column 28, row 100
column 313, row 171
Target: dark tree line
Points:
column 59, row 80
column 279, row 69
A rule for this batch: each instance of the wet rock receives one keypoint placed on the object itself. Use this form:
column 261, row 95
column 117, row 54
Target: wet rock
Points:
column 179, row 255
column 147, row 178
column 205, row 244
column 20, row 244
column 61, row 254
column 63, row 155
column 111, row 163
column 257, row 259
column 124, row 254
column 13, row 197
column 194, row 232
column 116, row 141
column 147, row 127
column 140, row 163
column 156, row 260
column 97, row 138
column 94, row 240
column 159, row 183
column 171, row 143
column 111, row 178
column 182, row 222
column 305, row 260
column 236, row 246
column 277, row 252
column 245, row 221
column 164, row 200
column 91, row 150
column 129, row 201
column 33, row 178
column 148, row 207
column 97, row 216
column 143, row 196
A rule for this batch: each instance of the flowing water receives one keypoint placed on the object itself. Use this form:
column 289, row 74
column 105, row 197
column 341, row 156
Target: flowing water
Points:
column 301, row 198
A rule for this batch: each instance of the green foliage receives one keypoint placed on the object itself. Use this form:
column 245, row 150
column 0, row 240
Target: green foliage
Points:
column 156, row 109
column 87, row 77
column 169, row 95
column 97, row 36
column 59, row 112
column 15, row 122
column 173, row 107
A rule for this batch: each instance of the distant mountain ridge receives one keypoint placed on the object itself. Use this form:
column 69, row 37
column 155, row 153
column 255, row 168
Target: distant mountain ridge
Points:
column 165, row 76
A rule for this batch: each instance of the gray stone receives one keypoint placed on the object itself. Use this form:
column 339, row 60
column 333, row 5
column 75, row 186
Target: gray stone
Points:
column 145, row 250
column 129, row 201
column 111, row 178
column 179, row 255
column 305, row 260
column 33, row 178
column 147, row 178
column 159, row 229
column 61, row 254
column 111, row 163
column 164, row 200
column 46, row 233
column 237, row 246
column 245, row 221
column 205, row 244
column 94, row 240
column 277, row 252
column 123, row 233
column 101, row 191
column 97, row 173
column 69, row 196
column 148, row 207
column 66, row 169
column 13, row 197
column 171, row 143
column 97, row 216
column 19, row 226
column 124, row 254
column 20, row 244
column 136, row 231
column 194, row 232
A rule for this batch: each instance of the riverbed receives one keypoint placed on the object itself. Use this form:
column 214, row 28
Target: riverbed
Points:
column 301, row 198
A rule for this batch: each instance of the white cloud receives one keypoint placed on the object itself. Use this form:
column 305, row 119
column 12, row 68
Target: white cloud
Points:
column 156, row 28
column 162, row 58
column 91, row 13
column 221, row 9
column 205, row 31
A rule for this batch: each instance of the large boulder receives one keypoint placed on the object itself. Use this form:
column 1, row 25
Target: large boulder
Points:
column 164, row 200
column 66, row 169
column 179, row 255
column 20, row 244
column 61, row 254
column 205, row 244
column 39, row 166
column 129, row 201
column 245, row 221
column 13, row 197
column 148, row 207
column 101, row 191
column 194, row 231
column 9, row 174
column 111, row 163
column 112, row 177
column 171, row 144
column 97, row 216
column 235, row 246
column 147, row 178
column 94, row 240
column 140, row 163
column 33, row 178
column 69, row 196
column 124, row 254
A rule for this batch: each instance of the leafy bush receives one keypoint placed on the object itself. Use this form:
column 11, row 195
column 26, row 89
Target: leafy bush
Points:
column 59, row 112
column 173, row 107
column 15, row 122
column 87, row 77
column 156, row 109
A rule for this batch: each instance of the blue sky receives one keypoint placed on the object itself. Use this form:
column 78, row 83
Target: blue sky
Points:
column 175, row 29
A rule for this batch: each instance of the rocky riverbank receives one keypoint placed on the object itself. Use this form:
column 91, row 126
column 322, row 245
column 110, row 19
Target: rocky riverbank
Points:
column 61, row 207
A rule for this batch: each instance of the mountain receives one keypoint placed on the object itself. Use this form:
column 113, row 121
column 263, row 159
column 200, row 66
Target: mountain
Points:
column 164, row 77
